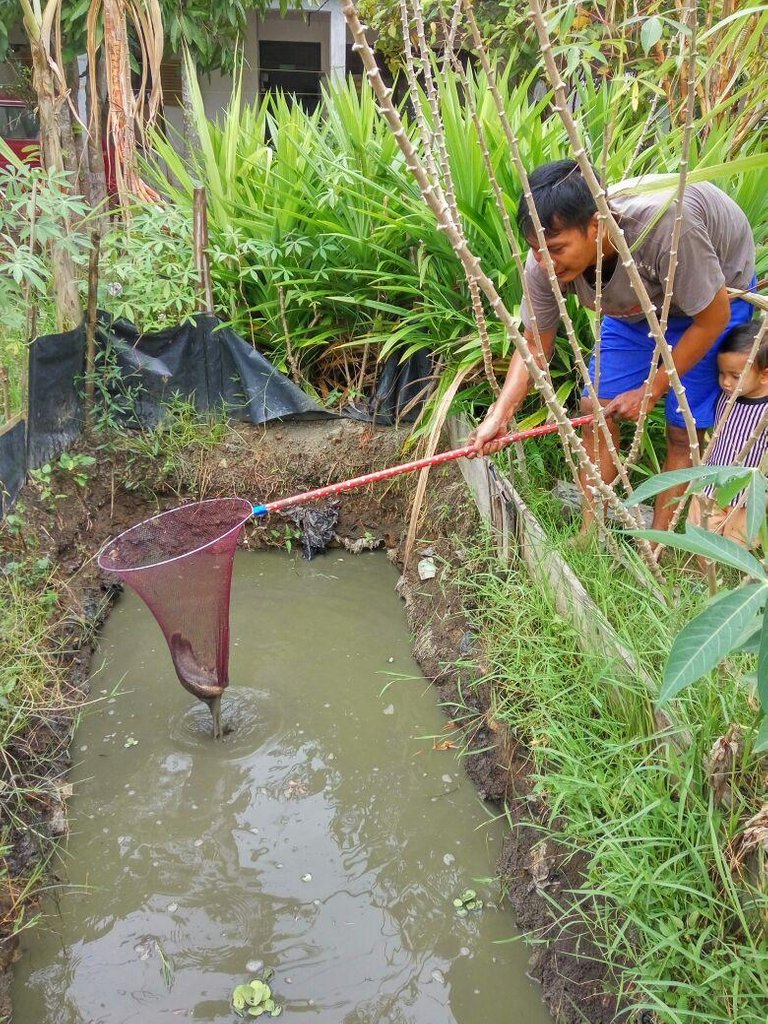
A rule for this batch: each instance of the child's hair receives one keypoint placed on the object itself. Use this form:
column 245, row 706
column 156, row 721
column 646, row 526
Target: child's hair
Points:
column 742, row 338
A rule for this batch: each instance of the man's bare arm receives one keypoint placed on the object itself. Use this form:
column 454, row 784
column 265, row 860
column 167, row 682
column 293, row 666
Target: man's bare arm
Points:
column 516, row 386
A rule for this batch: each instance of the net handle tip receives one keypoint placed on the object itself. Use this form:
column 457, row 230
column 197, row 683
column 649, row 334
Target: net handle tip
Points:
column 260, row 510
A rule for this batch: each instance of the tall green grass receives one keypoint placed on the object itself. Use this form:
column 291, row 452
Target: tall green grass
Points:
column 685, row 936
column 31, row 695
column 319, row 237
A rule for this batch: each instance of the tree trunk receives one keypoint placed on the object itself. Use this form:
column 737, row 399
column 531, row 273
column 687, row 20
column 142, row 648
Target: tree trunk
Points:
column 81, row 153
column 122, row 106
column 68, row 155
column 97, row 180
column 191, row 140
column 68, row 312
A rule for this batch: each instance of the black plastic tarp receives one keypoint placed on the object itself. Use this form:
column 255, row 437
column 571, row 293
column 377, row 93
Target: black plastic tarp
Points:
column 202, row 360
column 55, row 416
column 13, row 464
column 209, row 363
column 401, row 390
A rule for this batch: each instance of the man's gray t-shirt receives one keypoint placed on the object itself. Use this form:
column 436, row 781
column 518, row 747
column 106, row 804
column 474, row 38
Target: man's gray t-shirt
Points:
column 716, row 248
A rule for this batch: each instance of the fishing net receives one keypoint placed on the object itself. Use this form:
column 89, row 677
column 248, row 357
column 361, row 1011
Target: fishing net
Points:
column 180, row 564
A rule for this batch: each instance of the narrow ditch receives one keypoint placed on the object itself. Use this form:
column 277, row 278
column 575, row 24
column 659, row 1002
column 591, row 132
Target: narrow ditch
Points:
column 326, row 836
column 263, row 465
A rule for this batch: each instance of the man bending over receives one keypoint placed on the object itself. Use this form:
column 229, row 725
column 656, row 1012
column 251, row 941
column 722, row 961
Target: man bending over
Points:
column 716, row 250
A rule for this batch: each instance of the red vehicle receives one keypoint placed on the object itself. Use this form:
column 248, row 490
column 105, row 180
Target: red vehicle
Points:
column 19, row 128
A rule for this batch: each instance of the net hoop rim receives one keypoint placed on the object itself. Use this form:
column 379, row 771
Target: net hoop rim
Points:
column 161, row 515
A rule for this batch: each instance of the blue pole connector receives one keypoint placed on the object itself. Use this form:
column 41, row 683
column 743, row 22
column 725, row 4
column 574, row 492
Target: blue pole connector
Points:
column 259, row 510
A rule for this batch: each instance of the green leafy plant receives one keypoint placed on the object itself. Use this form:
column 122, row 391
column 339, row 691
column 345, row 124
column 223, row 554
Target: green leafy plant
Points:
column 43, row 480
column 285, row 535
column 467, row 902
column 76, row 466
column 116, row 393
column 148, row 273
column 733, row 620
column 44, row 477
column 255, row 998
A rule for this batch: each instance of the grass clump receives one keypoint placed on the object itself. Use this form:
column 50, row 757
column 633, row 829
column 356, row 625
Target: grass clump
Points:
column 668, row 909
column 173, row 456
column 31, row 699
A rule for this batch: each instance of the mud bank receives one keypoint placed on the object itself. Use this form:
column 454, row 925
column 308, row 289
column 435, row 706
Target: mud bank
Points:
column 264, row 464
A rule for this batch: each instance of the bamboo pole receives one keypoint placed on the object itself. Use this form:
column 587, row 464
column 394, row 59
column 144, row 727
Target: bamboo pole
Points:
column 90, row 326
column 473, row 268
column 200, row 246
column 615, row 232
column 601, row 424
column 689, row 22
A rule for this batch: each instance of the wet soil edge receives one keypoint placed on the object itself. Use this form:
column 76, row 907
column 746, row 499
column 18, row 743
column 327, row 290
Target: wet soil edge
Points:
column 265, row 464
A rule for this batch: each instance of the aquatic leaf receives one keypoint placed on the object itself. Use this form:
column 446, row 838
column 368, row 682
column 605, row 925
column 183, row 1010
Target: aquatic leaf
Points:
column 267, row 974
column 468, row 894
column 255, row 1011
column 259, row 992
column 458, row 903
column 277, row 1011
column 240, row 996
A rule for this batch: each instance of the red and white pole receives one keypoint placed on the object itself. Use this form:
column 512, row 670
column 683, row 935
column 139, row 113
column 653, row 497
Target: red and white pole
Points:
column 405, row 467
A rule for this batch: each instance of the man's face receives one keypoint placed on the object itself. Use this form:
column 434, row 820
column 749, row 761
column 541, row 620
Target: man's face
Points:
column 573, row 250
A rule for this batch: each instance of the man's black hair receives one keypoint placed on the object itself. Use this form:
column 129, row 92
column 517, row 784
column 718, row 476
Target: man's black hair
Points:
column 561, row 197
column 741, row 339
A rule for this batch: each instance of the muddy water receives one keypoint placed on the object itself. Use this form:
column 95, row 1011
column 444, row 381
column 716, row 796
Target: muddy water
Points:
column 324, row 837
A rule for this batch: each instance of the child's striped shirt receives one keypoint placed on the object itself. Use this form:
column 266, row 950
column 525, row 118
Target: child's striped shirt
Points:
column 741, row 426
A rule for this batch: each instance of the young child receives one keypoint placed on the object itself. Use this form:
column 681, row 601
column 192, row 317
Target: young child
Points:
column 740, row 426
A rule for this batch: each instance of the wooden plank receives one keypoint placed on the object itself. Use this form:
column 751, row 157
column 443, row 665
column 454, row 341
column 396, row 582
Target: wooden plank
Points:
column 11, row 423
column 517, row 528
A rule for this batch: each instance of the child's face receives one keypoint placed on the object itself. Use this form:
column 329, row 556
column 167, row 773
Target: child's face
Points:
column 730, row 366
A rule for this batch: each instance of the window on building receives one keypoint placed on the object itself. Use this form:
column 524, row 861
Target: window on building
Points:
column 17, row 122
column 294, row 68
column 170, row 76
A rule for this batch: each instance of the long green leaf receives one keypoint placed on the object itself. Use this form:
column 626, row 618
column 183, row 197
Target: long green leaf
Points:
column 708, row 638
column 664, row 481
column 761, row 740
column 750, row 639
column 708, row 545
column 755, row 505
column 762, row 666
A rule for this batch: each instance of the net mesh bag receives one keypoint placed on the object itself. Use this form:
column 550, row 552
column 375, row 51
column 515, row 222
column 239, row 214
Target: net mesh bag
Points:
column 180, row 564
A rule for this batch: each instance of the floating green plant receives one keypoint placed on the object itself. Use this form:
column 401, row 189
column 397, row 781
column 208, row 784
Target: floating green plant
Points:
column 466, row 902
column 255, row 998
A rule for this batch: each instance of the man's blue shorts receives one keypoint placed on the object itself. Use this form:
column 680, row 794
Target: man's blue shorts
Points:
column 626, row 351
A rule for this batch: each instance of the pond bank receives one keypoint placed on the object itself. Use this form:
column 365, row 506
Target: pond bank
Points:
column 265, row 464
